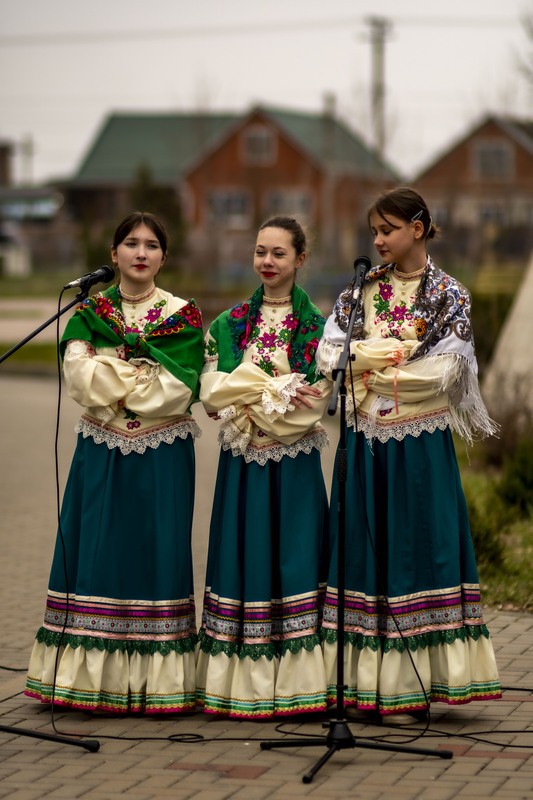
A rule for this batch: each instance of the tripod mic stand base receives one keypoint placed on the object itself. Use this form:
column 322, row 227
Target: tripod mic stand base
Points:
column 92, row 745
column 340, row 737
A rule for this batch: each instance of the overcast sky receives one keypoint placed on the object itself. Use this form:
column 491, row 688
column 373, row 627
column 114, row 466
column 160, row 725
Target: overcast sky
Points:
column 66, row 64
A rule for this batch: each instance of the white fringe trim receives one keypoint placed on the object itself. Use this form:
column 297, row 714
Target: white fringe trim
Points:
column 469, row 417
column 327, row 357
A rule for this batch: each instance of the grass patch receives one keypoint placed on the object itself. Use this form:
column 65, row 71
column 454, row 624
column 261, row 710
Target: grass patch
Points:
column 39, row 284
column 509, row 585
column 31, row 358
column 503, row 541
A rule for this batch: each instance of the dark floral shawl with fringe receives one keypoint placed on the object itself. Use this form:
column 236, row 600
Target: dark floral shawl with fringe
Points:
column 442, row 308
column 443, row 326
column 234, row 328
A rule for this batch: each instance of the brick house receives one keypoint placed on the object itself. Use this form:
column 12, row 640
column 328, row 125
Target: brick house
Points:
column 231, row 171
column 480, row 191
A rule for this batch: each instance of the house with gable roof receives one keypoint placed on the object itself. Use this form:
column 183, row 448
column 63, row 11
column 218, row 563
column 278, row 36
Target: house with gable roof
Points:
column 231, row 172
column 480, row 190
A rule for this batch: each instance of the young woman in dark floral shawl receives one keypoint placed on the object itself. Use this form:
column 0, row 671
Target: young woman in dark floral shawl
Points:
column 414, row 628
column 260, row 652
column 126, row 631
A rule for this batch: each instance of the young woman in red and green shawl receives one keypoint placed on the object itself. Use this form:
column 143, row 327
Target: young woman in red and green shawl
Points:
column 120, row 604
column 260, row 652
column 414, row 627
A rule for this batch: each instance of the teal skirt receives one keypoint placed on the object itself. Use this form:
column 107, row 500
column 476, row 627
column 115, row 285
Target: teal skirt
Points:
column 126, row 522
column 266, row 572
column 411, row 581
column 121, row 593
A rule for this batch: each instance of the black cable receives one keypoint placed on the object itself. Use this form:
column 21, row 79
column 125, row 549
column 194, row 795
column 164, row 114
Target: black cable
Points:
column 398, row 738
column 59, row 528
column 516, row 689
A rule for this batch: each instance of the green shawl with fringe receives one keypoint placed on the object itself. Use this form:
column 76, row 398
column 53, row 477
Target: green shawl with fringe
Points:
column 234, row 328
column 176, row 342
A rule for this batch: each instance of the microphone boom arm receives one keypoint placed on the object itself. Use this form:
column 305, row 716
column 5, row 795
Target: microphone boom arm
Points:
column 82, row 294
column 361, row 265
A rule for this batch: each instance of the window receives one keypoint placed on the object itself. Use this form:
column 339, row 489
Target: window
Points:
column 259, row 145
column 289, row 201
column 492, row 215
column 230, row 207
column 493, row 160
column 439, row 214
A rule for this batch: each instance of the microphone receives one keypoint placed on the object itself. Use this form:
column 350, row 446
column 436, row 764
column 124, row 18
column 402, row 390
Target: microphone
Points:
column 361, row 266
column 104, row 274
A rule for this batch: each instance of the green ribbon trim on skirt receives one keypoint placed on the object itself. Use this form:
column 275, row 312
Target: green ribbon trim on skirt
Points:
column 412, row 643
column 214, row 647
column 52, row 639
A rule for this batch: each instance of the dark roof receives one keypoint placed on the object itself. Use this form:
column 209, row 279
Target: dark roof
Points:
column 164, row 142
column 520, row 130
column 329, row 138
column 170, row 143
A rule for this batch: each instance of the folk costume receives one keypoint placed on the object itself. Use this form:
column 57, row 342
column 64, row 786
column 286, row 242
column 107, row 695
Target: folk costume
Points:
column 260, row 651
column 412, row 589
column 120, row 604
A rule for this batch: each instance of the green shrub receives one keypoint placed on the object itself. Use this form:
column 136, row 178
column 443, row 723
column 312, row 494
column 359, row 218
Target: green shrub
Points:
column 488, row 519
column 516, row 485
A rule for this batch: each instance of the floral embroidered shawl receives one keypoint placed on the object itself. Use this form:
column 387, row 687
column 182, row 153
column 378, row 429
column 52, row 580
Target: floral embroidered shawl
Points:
column 176, row 343
column 442, row 320
column 233, row 330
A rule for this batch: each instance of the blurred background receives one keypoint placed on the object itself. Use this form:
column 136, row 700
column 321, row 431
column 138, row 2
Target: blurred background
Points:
column 216, row 115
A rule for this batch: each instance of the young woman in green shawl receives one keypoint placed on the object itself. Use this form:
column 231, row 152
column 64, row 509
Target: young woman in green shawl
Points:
column 260, row 652
column 120, row 606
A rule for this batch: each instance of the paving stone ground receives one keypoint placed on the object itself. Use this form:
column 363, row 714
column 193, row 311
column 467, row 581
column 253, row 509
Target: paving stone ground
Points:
column 492, row 743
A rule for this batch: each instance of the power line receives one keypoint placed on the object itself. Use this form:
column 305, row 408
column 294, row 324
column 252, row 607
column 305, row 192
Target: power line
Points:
column 258, row 28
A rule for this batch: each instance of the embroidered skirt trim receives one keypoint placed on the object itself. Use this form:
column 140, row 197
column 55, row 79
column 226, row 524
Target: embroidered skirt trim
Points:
column 252, row 630
column 416, row 620
column 125, row 625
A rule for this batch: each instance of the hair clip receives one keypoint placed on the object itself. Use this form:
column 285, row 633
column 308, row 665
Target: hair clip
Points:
column 417, row 215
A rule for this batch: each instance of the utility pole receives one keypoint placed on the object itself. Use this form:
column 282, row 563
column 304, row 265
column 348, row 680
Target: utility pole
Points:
column 27, row 151
column 379, row 28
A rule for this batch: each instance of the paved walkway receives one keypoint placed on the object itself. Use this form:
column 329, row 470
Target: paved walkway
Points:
column 492, row 743
column 19, row 317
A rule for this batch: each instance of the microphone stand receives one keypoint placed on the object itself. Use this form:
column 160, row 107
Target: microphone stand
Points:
column 339, row 736
column 80, row 296
column 92, row 745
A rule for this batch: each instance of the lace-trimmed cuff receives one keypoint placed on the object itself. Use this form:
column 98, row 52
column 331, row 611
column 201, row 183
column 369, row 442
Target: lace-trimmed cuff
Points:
column 276, row 397
column 226, row 414
column 232, row 438
column 103, row 414
column 79, row 347
column 210, row 364
column 149, row 370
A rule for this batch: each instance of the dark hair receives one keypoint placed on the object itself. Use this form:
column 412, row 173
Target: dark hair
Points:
column 406, row 204
column 141, row 218
column 299, row 239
